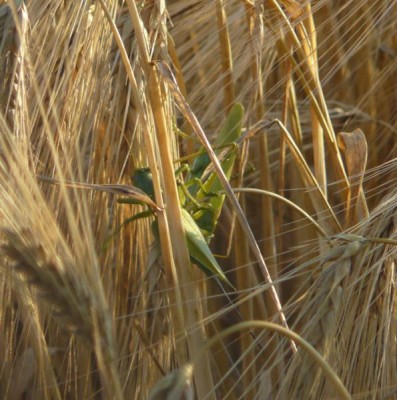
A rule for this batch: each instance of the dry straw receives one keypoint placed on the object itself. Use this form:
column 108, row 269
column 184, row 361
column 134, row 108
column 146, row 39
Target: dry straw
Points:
column 92, row 307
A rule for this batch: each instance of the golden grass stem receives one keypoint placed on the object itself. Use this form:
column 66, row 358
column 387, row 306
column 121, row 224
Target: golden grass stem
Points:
column 226, row 55
column 30, row 312
column 189, row 115
column 140, row 33
column 80, row 104
column 255, row 34
column 302, row 212
column 163, row 122
column 315, row 192
column 307, row 347
column 163, row 224
column 307, row 37
column 166, row 245
column 297, row 39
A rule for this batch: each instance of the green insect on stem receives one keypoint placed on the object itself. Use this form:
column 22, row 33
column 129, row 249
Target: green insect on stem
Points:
column 200, row 194
column 226, row 150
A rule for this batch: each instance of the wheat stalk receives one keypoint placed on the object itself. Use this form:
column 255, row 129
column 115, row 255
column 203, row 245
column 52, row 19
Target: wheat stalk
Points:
column 70, row 299
column 77, row 108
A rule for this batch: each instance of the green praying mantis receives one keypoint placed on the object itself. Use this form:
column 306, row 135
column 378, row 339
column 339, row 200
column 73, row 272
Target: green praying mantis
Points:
column 200, row 194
